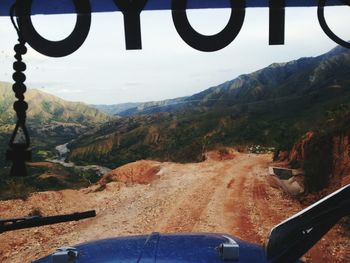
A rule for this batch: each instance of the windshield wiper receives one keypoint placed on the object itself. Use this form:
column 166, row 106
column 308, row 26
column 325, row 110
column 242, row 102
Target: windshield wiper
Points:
column 35, row 221
column 292, row 238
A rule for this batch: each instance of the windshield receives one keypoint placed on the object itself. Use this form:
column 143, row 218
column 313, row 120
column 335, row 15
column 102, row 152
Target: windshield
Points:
column 171, row 139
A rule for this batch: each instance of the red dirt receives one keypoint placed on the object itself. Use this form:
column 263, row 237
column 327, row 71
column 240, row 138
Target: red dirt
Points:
column 298, row 151
column 346, row 180
column 341, row 159
column 185, row 198
column 221, row 155
column 140, row 172
column 231, row 184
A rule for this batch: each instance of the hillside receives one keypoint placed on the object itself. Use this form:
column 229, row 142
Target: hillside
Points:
column 272, row 107
column 115, row 109
column 47, row 109
column 51, row 121
column 130, row 109
column 154, row 106
column 324, row 153
column 279, row 80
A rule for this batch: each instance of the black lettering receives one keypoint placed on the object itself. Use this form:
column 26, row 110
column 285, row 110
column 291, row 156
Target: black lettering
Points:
column 277, row 22
column 131, row 10
column 203, row 42
column 325, row 27
column 55, row 48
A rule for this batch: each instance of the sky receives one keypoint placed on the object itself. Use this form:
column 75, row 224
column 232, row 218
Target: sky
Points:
column 102, row 71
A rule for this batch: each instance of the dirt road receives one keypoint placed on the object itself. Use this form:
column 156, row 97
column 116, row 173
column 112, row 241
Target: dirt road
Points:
column 231, row 196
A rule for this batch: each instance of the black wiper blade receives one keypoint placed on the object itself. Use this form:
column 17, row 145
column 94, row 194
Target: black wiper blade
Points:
column 292, row 238
column 35, row 221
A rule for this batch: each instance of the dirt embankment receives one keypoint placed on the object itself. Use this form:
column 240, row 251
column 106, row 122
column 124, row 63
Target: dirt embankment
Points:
column 325, row 159
column 341, row 159
column 140, row 172
column 234, row 196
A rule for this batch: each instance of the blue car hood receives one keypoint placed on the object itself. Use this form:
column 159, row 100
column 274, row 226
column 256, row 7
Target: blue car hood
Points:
column 170, row 248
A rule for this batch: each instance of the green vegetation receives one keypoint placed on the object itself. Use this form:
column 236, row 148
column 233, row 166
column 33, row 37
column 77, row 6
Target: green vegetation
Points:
column 47, row 109
column 272, row 108
column 48, row 177
column 319, row 159
column 318, row 163
column 51, row 121
column 182, row 137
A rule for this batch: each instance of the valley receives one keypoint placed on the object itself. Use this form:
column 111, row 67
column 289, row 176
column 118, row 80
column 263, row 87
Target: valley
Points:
column 233, row 195
column 51, row 120
column 61, row 159
column 272, row 107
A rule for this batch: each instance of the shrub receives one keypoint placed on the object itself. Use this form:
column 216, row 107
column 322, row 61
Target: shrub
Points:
column 318, row 163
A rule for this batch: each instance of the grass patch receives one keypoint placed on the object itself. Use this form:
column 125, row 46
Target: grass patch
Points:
column 44, row 178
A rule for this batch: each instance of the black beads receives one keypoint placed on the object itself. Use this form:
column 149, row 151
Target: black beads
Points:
column 19, row 146
column 20, row 49
column 18, row 57
column 20, row 106
column 19, row 77
column 19, row 151
column 19, row 66
column 19, row 88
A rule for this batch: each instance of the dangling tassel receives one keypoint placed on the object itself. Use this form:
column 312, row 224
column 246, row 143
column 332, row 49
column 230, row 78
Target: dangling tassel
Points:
column 19, row 152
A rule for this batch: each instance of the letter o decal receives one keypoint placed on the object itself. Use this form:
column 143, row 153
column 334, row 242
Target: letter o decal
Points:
column 325, row 27
column 60, row 48
column 203, row 42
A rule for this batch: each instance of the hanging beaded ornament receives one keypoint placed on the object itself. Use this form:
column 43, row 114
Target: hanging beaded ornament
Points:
column 19, row 152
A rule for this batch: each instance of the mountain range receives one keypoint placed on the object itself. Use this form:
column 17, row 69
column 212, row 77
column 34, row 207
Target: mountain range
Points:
column 135, row 108
column 273, row 106
column 294, row 78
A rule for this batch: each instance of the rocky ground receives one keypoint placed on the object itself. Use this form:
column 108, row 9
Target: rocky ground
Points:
column 234, row 196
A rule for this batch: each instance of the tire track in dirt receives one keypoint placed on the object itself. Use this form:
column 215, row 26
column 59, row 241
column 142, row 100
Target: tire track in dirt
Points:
column 227, row 211
column 188, row 210
column 266, row 207
column 232, row 196
column 262, row 211
column 241, row 204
